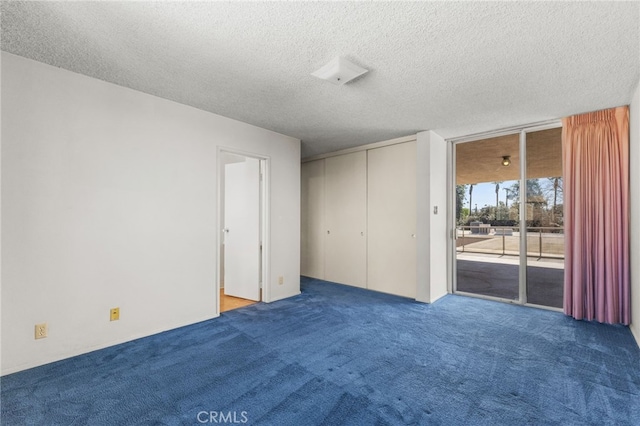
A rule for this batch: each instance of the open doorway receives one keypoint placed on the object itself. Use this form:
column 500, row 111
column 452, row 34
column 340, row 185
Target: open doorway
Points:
column 241, row 232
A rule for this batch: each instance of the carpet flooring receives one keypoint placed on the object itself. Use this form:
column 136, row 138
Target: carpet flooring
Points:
column 339, row 355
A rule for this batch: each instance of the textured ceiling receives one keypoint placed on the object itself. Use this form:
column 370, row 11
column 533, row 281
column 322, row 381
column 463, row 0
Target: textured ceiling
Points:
column 453, row 67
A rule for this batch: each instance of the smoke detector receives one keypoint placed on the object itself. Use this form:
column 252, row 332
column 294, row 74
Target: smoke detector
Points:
column 339, row 71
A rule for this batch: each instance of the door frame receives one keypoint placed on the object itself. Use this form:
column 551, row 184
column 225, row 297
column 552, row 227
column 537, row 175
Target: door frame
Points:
column 522, row 284
column 265, row 220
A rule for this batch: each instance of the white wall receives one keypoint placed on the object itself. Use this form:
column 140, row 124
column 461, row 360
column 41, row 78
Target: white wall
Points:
column 634, row 185
column 0, row 216
column 109, row 199
column 432, row 227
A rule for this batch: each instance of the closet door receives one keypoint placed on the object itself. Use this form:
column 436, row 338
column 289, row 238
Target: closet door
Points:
column 313, row 230
column 346, row 219
column 392, row 219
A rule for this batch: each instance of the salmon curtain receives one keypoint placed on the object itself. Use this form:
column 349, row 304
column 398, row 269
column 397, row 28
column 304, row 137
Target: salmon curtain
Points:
column 595, row 151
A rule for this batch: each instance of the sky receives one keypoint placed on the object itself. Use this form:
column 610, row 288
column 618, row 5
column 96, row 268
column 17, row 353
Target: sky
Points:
column 485, row 194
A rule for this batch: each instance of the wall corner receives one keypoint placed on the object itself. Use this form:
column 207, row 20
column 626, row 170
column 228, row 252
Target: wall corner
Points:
column 432, row 192
column 634, row 204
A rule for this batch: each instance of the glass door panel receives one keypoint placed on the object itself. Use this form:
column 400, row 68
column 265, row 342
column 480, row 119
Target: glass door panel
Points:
column 544, row 215
column 487, row 221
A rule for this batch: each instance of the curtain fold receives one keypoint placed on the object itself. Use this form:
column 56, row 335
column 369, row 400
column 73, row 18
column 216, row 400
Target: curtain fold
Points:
column 595, row 155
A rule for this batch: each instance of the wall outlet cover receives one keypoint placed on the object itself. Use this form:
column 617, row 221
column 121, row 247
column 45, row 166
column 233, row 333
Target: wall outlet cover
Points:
column 42, row 330
column 114, row 314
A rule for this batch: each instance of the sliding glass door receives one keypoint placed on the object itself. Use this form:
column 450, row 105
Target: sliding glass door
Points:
column 488, row 248
column 509, row 242
column 544, row 217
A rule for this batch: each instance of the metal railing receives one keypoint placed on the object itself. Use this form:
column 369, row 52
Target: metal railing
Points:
column 481, row 239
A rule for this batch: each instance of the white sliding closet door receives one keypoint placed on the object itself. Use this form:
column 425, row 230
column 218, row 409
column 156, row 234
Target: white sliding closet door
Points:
column 346, row 219
column 313, row 230
column 392, row 219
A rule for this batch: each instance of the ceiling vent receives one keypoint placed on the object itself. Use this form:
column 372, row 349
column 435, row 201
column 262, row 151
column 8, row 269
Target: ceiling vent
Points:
column 339, row 71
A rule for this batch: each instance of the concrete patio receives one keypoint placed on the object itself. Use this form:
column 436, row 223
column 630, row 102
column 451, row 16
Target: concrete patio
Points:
column 498, row 276
column 488, row 264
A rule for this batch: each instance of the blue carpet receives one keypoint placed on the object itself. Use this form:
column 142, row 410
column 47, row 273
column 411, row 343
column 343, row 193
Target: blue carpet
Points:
column 338, row 355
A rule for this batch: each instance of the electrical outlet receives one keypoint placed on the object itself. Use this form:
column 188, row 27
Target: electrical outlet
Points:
column 280, row 280
column 41, row 331
column 114, row 314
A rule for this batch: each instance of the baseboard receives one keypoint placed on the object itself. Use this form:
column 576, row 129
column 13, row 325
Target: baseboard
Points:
column 93, row 348
column 435, row 299
column 286, row 296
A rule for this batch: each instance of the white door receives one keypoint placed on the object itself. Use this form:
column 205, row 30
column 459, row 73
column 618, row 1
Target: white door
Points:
column 391, row 266
column 242, row 229
column 312, row 235
column 346, row 219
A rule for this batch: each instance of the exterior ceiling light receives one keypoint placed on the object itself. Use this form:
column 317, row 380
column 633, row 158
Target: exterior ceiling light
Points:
column 339, row 71
column 506, row 160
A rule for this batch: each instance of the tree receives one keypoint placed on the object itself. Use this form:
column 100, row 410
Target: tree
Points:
column 555, row 198
column 552, row 188
column 497, row 191
column 460, row 197
column 533, row 190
